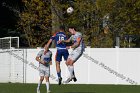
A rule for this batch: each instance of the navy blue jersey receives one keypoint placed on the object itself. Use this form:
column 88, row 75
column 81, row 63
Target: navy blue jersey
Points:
column 57, row 37
column 61, row 47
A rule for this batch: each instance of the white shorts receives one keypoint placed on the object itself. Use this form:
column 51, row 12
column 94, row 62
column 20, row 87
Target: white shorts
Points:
column 44, row 71
column 75, row 54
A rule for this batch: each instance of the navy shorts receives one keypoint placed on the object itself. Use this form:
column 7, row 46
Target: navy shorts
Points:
column 60, row 53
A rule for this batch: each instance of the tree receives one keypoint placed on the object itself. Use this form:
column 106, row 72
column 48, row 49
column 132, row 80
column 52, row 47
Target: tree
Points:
column 100, row 21
column 124, row 18
column 35, row 22
column 8, row 18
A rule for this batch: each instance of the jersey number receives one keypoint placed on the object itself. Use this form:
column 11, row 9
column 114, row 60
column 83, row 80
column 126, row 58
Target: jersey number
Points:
column 61, row 38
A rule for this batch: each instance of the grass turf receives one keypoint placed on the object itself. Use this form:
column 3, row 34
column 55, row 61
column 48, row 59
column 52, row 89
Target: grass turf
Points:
column 69, row 88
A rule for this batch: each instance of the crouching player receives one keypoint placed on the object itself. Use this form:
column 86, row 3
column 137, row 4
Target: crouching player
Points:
column 44, row 57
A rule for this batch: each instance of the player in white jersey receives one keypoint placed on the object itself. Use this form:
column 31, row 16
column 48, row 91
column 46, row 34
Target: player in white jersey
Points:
column 78, row 48
column 44, row 57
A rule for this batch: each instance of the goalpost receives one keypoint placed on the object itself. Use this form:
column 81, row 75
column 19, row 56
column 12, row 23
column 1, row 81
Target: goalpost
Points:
column 9, row 42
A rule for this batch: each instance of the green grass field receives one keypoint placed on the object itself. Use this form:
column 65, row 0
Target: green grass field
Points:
column 69, row 88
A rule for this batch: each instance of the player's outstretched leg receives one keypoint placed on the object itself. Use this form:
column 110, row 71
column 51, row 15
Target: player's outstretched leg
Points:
column 58, row 72
column 70, row 79
column 70, row 66
column 74, row 78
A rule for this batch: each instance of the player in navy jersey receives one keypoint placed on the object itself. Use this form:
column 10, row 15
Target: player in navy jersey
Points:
column 61, row 50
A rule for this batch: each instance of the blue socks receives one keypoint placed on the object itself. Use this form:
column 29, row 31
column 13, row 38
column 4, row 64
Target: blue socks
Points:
column 59, row 74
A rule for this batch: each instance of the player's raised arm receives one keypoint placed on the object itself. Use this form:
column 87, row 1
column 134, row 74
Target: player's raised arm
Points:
column 66, row 41
column 49, row 42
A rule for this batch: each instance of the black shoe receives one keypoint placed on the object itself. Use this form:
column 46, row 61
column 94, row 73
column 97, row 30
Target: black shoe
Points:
column 74, row 79
column 59, row 81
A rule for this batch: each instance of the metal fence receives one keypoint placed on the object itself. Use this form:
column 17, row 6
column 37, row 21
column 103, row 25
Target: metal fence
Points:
column 9, row 42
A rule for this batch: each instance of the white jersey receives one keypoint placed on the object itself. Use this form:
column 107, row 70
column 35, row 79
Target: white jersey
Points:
column 78, row 51
column 74, row 39
column 43, row 57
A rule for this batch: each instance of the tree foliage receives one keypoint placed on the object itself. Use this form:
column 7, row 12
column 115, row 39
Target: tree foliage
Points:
column 35, row 21
column 100, row 21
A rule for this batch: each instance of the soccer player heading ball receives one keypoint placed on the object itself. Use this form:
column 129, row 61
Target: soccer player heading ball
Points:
column 78, row 48
column 61, row 50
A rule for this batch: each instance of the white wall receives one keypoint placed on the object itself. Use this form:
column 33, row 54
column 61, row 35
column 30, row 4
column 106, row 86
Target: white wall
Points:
column 123, row 61
column 11, row 69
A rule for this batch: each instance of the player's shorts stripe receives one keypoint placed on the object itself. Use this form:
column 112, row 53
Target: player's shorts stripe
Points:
column 60, row 48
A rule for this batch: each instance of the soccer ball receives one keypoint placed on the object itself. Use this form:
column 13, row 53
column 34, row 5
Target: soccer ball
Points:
column 70, row 10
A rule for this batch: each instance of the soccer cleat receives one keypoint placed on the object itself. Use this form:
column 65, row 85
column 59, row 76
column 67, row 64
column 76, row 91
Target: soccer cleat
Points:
column 74, row 79
column 59, row 81
column 38, row 91
column 68, row 80
column 48, row 91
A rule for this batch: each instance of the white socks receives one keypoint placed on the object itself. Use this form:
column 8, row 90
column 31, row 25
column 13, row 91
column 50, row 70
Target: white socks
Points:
column 71, row 69
column 39, row 84
column 47, row 86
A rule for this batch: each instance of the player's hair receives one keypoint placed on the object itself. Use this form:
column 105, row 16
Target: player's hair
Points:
column 43, row 45
column 72, row 27
column 62, row 27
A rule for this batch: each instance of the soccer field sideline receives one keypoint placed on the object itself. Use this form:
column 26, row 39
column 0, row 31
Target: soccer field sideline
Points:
column 69, row 88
